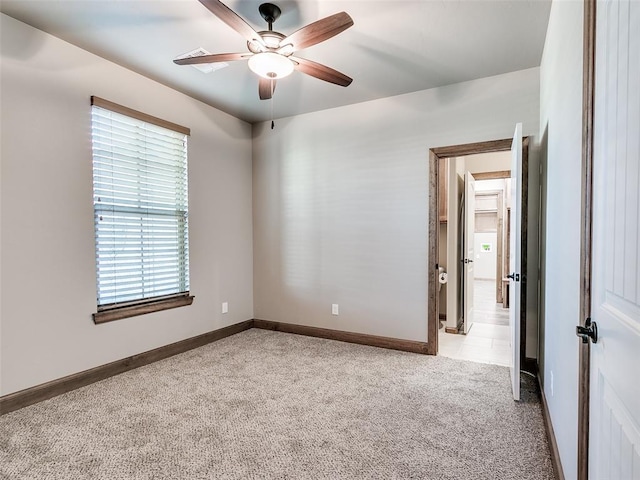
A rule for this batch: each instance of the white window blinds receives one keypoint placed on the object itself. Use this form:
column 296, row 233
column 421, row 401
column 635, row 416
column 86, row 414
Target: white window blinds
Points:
column 140, row 209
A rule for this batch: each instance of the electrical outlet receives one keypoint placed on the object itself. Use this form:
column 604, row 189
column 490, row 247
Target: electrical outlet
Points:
column 225, row 307
column 334, row 309
column 551, row 382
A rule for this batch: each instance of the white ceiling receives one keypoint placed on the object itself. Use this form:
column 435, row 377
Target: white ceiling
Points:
column 394, row 47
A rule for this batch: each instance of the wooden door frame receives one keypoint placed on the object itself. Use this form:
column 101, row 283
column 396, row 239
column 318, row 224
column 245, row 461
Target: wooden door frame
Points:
column 584, row 359
column 435, row 156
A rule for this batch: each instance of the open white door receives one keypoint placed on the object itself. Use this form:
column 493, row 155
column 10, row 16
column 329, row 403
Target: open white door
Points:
column 469, row 239
column 515, row 257
column 614, row 425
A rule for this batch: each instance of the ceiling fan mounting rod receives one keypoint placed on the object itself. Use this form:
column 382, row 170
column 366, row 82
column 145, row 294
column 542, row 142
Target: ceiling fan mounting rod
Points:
column 270, row 13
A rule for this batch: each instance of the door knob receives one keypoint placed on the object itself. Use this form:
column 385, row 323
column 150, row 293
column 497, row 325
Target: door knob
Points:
column 589, row 331
column 514, row 276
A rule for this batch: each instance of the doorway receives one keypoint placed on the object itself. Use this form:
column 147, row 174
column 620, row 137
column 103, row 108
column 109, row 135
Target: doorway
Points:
column 474, row 257
column 436, row 158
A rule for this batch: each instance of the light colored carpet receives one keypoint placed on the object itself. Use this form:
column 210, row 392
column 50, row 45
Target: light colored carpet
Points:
column 264, row 404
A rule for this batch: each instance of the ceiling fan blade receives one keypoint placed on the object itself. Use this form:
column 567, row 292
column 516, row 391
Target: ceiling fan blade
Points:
column 322, row 72
column 218, row 57
column 266, row 87
column 317, row 32
column 232, row 19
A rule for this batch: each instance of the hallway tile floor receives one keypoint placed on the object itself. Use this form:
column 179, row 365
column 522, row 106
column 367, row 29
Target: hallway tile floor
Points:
column 488, row 339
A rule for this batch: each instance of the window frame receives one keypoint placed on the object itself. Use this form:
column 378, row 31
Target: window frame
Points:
column 117, row 311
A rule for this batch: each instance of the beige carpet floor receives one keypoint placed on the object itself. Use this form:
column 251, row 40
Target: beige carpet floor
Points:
column 264, row 404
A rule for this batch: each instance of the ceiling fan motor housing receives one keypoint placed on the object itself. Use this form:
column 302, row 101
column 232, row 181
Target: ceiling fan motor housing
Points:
column 271, row 38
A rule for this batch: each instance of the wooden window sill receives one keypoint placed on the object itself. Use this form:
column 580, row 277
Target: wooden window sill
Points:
column 118, row 313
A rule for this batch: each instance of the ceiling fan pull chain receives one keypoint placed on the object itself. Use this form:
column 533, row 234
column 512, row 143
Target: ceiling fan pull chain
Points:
column 272, row 122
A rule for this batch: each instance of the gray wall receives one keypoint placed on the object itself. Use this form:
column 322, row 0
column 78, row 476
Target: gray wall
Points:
column 340, row 201
column 561, row 119
column 47, row 246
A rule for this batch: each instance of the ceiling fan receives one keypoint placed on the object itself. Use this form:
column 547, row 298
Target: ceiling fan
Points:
column 270, row 53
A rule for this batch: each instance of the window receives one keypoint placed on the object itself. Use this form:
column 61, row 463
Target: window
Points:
column 140, row 204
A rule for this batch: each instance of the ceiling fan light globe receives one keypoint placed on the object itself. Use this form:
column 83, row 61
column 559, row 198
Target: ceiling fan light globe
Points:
column 270, row 65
